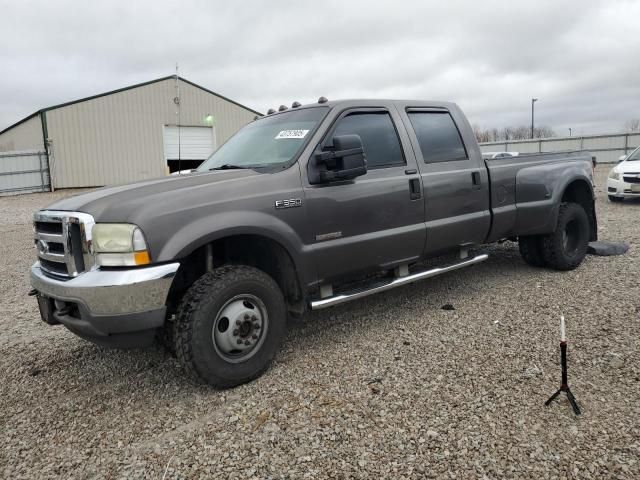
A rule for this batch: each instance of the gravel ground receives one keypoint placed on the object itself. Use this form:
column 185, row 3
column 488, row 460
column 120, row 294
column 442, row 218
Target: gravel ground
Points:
column 390, row 386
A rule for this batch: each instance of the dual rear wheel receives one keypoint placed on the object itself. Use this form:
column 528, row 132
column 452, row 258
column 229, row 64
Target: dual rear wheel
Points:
column 564, row 248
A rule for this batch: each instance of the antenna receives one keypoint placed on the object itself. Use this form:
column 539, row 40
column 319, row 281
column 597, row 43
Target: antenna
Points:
column 176, row 100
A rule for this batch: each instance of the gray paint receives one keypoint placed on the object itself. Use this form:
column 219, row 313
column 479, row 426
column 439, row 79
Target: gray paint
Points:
column 379, row 225
column 538, row 182
column 457, row 213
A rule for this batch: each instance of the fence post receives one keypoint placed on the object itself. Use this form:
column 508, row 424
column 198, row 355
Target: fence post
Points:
column 626, row 143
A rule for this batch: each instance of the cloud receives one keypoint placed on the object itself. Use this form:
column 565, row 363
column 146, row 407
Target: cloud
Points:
column 491, row 57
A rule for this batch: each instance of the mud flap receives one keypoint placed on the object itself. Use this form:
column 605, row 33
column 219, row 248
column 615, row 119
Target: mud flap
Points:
column 46, row 310
column 606, row 249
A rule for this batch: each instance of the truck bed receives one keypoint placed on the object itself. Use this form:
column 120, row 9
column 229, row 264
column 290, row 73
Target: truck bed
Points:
column 524, row 190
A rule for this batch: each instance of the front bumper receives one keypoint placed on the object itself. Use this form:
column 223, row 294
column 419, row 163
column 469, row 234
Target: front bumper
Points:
column 622, row 189
column 102, row 303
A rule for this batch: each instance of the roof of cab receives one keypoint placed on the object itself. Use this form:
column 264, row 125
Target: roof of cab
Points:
column 367, row 102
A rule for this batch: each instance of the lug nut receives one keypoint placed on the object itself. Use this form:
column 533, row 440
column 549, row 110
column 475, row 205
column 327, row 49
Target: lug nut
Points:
column 235, row 332
column 254, row 318
column 247, row 342
column 256, row 326
column 246, row 316
column 238, row 322
column 239, row 341
column 255, row 337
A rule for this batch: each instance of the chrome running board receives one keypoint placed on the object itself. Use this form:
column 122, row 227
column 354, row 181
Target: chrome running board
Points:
column 396, row 282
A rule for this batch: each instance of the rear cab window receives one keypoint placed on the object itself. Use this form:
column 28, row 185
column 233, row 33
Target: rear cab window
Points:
column 438, row 136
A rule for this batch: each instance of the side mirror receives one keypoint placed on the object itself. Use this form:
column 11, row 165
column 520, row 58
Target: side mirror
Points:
column 346, row 160
column 622, row 158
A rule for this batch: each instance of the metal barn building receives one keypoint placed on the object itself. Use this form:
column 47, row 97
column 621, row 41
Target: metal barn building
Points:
column 129, row 134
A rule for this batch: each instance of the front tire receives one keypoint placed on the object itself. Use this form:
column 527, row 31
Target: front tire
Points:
column 230, row 325
column 566, row 247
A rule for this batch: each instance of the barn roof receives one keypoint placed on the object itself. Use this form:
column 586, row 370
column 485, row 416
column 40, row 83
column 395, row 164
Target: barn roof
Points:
column 130, row 87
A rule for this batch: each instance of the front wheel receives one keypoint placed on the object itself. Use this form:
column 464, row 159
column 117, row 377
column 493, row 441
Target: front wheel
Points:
column 566, row 247
column 230, row 325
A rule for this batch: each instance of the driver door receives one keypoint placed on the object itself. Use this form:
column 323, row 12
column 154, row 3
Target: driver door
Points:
column 375, row 221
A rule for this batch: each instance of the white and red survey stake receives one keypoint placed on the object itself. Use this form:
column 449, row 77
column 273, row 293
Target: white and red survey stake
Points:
column 564, row 385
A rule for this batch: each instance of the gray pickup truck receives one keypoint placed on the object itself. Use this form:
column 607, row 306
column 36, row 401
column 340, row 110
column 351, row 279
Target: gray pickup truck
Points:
column 304, row 208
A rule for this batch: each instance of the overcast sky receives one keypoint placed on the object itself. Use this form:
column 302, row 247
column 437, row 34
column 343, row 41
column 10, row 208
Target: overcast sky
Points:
column 580, row 58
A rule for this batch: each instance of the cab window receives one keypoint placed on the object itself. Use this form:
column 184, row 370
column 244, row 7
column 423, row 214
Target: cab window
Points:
column 379, row 137
column 438, row 136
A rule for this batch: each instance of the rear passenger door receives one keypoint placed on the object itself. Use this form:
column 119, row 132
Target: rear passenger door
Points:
column 454, row 178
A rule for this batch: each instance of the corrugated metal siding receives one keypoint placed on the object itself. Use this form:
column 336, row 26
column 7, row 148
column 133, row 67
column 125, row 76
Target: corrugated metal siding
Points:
column 118, row 138
column 26, row 136
column 606, row 148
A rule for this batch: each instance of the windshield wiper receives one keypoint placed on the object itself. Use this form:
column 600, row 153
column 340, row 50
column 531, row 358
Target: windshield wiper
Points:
column 228, row 166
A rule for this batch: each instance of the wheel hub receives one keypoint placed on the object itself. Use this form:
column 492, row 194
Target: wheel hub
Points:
column 239, row 327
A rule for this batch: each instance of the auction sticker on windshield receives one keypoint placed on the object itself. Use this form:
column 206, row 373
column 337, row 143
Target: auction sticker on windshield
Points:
column 292, row 134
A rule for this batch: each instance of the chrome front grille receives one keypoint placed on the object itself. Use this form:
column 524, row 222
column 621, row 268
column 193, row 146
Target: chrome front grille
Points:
column 63, row 242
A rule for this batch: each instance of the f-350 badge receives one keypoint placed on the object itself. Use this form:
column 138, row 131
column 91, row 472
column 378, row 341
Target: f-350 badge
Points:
column 289, row 203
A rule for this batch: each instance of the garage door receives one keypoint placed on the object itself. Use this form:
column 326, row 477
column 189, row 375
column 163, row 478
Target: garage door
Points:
column 188, row 143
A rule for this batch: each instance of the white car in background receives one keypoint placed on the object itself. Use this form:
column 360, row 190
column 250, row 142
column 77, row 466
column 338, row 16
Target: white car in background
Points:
column 490, row 155
column 624, row 178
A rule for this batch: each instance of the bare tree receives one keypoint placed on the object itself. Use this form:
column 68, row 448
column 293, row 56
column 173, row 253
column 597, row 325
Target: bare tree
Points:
column 522, row 132
column 632, row 125
column 543, row 132
column 509, row 133
column 481, row 135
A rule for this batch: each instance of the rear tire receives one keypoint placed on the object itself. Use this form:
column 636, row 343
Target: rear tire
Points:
column 212, row 318
column 531, row 250
column 566, row 247
column 615, row 199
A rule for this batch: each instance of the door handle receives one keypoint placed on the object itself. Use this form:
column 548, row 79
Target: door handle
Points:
column 475, row 179
column 414, row 189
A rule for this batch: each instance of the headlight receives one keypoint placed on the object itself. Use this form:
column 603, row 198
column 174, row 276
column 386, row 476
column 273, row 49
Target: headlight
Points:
column 118, row 245
column 614, row 175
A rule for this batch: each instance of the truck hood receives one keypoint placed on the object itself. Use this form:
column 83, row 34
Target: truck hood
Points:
column 123, row 202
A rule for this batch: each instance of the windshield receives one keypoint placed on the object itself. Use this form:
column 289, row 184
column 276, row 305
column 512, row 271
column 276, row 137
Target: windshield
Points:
column 271, row 142
column 635, row 155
